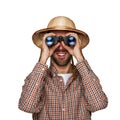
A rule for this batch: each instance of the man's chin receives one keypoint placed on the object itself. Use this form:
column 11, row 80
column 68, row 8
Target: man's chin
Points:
column 61, row 61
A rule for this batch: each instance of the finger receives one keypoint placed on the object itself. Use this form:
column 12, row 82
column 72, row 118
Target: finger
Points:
column 69, row 49
column 79, row 42
column 44, row 45
column 55, row 46
column 49, row 34
column 52, row 49
column 65, row 46
column 72, row 34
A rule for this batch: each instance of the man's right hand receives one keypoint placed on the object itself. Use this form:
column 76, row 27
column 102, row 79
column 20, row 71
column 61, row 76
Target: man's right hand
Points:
column 46, row 51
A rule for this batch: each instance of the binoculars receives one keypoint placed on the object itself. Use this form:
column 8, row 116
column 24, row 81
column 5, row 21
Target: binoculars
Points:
column 68, row 40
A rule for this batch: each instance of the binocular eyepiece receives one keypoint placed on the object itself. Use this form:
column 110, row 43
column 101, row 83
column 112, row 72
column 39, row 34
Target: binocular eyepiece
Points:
column 68, row 40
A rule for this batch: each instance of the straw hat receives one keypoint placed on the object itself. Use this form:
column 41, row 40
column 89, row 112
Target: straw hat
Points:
column 60, row 23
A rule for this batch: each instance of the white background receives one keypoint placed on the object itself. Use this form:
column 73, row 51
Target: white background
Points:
column 19, row 19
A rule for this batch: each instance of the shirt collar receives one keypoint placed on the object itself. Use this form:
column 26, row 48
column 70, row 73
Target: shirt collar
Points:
column 53, row 71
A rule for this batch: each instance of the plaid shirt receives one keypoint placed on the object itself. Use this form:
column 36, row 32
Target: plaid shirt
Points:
column 45, row 95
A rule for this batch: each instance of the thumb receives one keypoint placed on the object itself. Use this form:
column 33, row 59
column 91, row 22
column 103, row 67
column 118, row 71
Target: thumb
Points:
column 69, row 49
column 52, row 49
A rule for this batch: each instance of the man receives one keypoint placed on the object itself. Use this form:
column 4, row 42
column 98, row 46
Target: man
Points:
column 63, row 91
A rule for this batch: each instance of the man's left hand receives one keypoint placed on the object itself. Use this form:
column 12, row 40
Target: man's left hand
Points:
column 75, row 51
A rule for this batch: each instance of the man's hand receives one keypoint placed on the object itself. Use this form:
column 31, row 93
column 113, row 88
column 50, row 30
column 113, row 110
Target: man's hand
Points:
column 46, row 51
column 75, row 51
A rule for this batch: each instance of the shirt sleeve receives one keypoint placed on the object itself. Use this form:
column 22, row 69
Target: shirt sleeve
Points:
column 95, row 98
column 32, row 96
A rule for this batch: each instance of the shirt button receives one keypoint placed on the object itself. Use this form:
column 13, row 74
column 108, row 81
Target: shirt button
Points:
column 36, row 84
column 43, row 68
column 63, row 109
column 60, row 80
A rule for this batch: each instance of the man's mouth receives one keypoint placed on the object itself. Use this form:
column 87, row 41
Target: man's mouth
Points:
column 60, row 54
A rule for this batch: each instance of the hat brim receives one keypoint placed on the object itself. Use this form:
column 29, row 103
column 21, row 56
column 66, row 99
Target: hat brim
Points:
column 37, row 36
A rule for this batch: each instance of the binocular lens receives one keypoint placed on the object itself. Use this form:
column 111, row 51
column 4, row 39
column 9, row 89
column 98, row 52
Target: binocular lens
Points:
column 71, row 41
column 49, row 41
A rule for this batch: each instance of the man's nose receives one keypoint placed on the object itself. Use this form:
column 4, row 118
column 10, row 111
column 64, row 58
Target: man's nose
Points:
column 60, row 46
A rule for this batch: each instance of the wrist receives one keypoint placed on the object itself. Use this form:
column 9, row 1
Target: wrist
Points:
column 43, row 60
column 79, row 58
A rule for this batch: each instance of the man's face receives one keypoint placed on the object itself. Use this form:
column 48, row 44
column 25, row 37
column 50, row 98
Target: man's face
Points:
column 61, row 56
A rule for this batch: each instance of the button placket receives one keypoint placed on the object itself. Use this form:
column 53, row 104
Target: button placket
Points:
column 61, row 83
column 63, row 105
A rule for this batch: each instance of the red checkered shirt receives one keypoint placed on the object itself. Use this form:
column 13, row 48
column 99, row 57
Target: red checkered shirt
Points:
column 47, row 98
